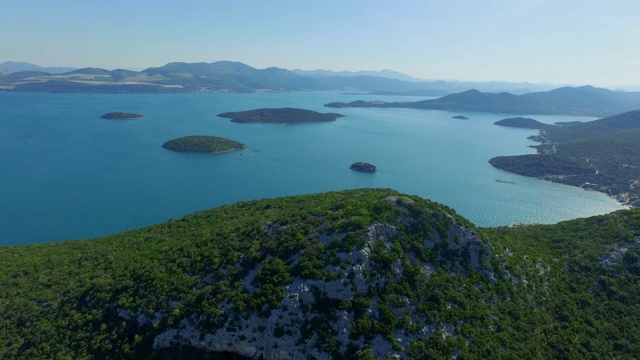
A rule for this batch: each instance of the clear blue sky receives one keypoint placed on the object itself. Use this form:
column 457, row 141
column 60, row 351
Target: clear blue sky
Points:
column 559, row 41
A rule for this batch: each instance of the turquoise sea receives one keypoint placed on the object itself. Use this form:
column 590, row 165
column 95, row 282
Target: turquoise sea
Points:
column 67, row 174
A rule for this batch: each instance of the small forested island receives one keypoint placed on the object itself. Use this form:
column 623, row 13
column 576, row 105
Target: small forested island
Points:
column 280, row 116
column 363, row 166
column 203, row 144
column 460, row 117
column 522, row 122
column 121, row 116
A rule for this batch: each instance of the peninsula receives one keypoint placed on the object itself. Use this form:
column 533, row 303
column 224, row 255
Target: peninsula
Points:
column 279, row 116
column 203, row 144
column 363, row 167
column 601, row 155
column 121, row 116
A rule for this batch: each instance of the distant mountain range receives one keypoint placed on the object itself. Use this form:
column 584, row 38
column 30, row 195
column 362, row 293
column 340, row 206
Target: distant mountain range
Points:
column 584, row 100
column 236, row 77
column 228, row 76
column 221, row 76
column 16, row 66
column 389, row 74
column 354, row 79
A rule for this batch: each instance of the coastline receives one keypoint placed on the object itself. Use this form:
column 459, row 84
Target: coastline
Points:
column 624, row 198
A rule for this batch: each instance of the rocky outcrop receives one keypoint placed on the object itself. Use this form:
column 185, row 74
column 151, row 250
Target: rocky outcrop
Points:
column 617, row 252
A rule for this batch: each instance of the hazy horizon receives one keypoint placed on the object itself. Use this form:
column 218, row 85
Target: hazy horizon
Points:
column 537, row 41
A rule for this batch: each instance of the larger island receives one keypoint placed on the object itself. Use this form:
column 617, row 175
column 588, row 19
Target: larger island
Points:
column 203, row 144
column 279, row 116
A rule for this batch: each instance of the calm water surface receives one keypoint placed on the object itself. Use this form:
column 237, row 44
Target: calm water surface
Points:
column 67, row 174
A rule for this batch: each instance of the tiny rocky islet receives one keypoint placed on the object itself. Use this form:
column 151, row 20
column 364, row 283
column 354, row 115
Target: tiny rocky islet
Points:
column 363, row 167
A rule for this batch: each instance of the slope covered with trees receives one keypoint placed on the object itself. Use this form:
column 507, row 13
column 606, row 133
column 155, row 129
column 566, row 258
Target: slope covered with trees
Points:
column 355, row 274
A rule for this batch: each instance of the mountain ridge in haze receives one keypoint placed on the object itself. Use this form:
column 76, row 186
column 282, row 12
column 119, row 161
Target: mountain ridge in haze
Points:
column 584, row 100
column 385, row 80
column 231, row 76
column 16, row 66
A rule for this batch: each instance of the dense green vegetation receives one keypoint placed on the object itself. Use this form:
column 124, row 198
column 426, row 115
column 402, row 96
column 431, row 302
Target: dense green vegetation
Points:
column 202, row 143
column 585, row 100
column 602, row 155
column 583, row 276
column 121, row 116
column 355, row 274
column 279, row 116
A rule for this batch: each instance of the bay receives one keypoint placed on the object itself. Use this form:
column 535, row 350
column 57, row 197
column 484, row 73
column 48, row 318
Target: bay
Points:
column 67, row 174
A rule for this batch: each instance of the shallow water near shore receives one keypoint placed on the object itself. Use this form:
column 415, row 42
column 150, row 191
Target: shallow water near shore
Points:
column 67, row 174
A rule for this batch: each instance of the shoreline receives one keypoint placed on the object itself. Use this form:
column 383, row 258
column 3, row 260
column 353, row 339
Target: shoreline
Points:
column 541, row 139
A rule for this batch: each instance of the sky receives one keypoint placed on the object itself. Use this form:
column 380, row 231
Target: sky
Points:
column 557, row 41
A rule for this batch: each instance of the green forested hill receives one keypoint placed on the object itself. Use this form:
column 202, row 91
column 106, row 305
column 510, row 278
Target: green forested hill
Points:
column 355, row 274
